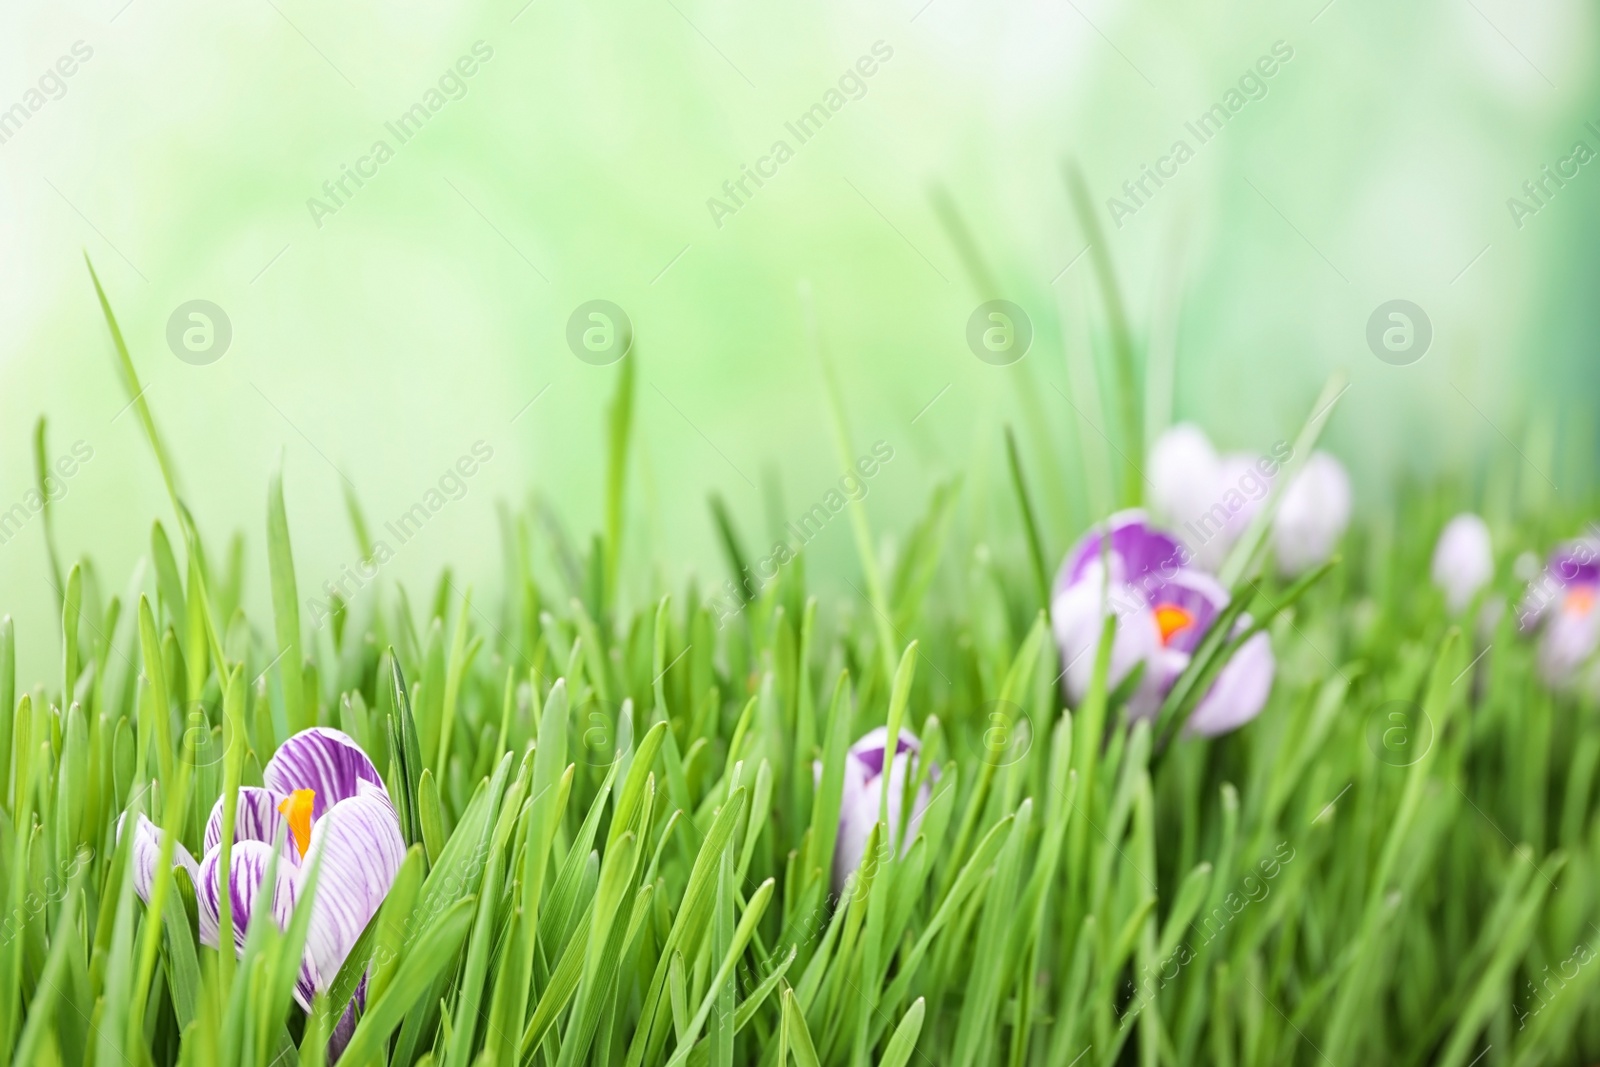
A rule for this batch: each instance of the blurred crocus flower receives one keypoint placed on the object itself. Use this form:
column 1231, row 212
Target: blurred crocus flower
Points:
column 863, row 795
column 323, row 801
column 1463, row 561
column 1209, row 498
column 1184, row 473
column 1312, row 515
column 1164, row 608
column 1564, row 599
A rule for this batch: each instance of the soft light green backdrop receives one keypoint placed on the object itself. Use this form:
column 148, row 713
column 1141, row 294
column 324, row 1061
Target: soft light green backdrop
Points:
column 577, row 160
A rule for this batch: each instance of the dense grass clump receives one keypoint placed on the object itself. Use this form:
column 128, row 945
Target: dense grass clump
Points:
column 620, row 823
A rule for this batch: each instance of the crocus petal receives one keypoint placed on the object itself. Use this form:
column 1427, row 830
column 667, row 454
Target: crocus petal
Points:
column 1576, row 562
column 1570, row 636
column 854, row 823
column 146, row 856
column 1244, row 488
column 863, row 796
column 1198, row 595
column 324, row 760
column 1546, row 584
column 1184, row 473
column 1312, row 516
column 360, row 850
column 869, row 749
column 1240, row 691
column 255, row 819
column 1136, row 549
column 345, row 1028
column 1162, row 613
column 248, row 863
column 1462, row 560
column 1076, row 617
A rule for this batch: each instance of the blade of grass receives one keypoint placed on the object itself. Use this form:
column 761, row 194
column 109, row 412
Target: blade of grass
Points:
column 1041, row 574
column 286, row 612
column 42, row 476
column 1128, row 405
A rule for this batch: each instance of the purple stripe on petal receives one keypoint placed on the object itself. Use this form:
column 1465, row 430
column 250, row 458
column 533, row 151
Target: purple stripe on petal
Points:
column 345, row 1028
column 249, row 862
column 305, row 983
column 320, row 759
column 357, row 850
column 146, row 855
column 256, row 819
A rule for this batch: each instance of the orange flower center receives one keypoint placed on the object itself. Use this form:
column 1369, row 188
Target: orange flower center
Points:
column 297, row 810
column 1170, row 619
column 1579, row 601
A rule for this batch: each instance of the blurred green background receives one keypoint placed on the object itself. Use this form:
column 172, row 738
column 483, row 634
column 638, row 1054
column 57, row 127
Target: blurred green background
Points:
column 375, row 345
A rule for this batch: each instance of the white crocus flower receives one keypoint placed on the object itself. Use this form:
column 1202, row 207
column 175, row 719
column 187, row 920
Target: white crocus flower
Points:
column 1313, row 515
column 1463, row 561
column 1185, row 473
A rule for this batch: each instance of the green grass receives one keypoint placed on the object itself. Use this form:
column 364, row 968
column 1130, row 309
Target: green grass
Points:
column 619, row 855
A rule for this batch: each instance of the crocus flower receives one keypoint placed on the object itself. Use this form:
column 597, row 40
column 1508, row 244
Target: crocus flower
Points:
column 1462, row 560
column 1209, row 498
column 1312, row 515
column 323, row 800
column 1564, row 599
column 1164, row 608
column 1184, row 471
column 863, row 794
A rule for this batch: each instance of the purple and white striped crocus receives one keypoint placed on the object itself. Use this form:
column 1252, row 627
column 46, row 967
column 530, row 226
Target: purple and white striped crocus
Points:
column 1164, row 608
column 1564, row 601
column 323, row 801
column 862, row 798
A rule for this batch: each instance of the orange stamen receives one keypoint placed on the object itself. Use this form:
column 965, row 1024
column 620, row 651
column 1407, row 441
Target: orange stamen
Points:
column 1170, row 619
column 1579, row 601
column 297, row 810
